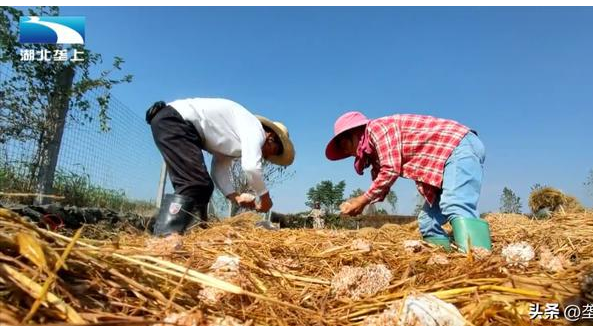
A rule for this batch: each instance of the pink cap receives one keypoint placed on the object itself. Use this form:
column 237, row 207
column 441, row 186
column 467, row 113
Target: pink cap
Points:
column 347, row 121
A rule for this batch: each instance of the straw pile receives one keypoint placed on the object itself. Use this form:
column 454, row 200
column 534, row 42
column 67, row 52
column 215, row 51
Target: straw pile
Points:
column 235, row 274
column 553, row 200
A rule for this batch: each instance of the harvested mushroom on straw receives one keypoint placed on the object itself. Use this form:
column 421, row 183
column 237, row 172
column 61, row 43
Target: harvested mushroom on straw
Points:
column 344, row 206
column 226, row 264
column 412, row 246
column 518, row 254
column 550, row 262
column 361, row 245
column 185, row 319
column 165, row 245
column 480, row 253
column 357, row 282
column 438, row 259
column 418, row 310
column 124, row 285
column 228, row 321
column 225, row 268
column 247, row 197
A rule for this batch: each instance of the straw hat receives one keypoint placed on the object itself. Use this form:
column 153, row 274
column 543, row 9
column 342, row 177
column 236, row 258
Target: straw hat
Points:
column 287, row 156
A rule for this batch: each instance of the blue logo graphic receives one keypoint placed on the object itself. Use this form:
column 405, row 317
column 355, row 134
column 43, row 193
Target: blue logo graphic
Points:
column 52, row 29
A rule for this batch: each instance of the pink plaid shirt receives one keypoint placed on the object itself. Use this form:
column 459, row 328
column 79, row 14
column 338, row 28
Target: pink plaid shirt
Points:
column 410, row 146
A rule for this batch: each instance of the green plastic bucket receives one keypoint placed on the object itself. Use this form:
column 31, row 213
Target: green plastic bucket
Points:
column 471, row 232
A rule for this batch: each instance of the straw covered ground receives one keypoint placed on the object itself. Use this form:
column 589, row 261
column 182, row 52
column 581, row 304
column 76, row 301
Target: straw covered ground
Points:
column 235, row 274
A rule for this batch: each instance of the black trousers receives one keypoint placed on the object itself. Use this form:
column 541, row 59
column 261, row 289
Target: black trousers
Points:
column 181, row 146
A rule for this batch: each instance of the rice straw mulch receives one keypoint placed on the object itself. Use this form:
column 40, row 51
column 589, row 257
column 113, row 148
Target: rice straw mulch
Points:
column 283, row 277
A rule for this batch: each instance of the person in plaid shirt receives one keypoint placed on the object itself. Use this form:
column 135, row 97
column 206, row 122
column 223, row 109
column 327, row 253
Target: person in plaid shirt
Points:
column 444, row 157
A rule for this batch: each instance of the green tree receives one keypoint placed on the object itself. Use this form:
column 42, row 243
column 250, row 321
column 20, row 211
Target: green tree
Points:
column 37, row 96
column 391, row 199
column 536, row 186
column 327, row 194
column 370, row 209
column 356, row 193
column 589, row 183
column 510, row 202
column 26, row 95
column 419, row 204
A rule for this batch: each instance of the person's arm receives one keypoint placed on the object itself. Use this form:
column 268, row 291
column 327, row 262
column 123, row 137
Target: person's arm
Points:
column 222, row 177
column 252, row 167
column 385, row 143
column 252, row 139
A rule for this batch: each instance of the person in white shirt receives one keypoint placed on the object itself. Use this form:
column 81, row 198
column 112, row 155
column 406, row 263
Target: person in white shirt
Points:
column 317, row 215
column 183, row 128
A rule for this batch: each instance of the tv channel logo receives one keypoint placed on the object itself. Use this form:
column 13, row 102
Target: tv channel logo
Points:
column 52, row 29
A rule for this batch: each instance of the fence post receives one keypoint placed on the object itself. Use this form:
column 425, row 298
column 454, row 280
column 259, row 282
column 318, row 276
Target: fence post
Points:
column 162, row 181
column 58, row 109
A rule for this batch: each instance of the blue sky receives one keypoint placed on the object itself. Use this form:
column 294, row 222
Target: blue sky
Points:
column 522, row 77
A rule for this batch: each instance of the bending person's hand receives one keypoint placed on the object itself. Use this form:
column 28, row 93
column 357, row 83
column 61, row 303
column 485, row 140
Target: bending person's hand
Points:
column 265, row 203
column 246, row 200
column 354, row 206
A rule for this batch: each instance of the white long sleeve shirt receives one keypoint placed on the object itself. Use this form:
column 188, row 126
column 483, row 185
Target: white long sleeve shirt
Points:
column 229, row 131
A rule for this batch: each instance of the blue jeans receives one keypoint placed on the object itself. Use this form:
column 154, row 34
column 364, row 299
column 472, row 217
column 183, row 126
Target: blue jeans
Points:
column 462, row 181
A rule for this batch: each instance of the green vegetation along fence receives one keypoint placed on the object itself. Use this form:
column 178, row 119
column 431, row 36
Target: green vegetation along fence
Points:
column 116, row 168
